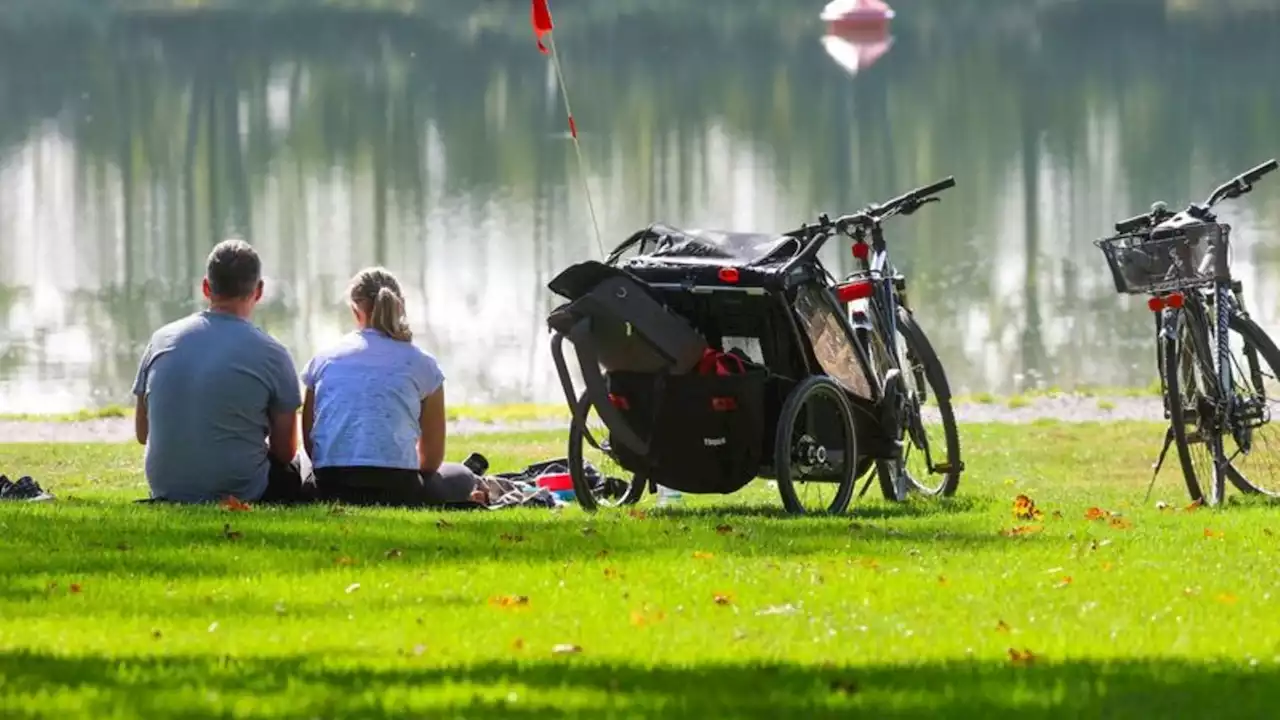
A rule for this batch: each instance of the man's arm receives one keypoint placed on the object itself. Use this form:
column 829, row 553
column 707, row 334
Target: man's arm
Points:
column 431, row 442
column 140, row 424
column 286, row 396
column 308, row 420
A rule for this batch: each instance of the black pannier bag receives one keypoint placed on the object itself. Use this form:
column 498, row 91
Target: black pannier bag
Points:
column 705, row 430
column 668, row 420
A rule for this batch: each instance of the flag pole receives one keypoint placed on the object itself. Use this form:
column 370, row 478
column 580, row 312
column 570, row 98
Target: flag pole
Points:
column 542, row 25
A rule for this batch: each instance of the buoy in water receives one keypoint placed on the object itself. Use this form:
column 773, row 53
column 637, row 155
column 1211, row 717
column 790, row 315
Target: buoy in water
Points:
column 855, row 51
column 843, row 15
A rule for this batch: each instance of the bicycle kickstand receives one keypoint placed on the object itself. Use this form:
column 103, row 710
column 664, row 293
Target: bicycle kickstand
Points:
column 1155, row 469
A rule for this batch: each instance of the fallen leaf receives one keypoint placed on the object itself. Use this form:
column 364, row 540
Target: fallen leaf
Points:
column 1209, row 533
column 638, row 619
column 565, row 649
column 155, row 635
column 1021, row 657
column 343, row 560
column 352, row 588
column 844, row 687
column 74, row 588
column 1095, row 513
column 443, row 524
column 1024, row 508
column 1227, row 598
column 419, row 649
column 1002, row 626
column 870, row 563
column 1106, row 566
column 1193, row 506
column 509, row 601
column 723, row 599
column 637, row 514
column 724, row 529
column 942, row 580
column 1119, row 523
column 1066, row 580
column 230, row 534
column 234, row 504
column 393, row 553
column 517, row 644
column 1057, row 514
column 1267, row 532
column 700, row 555
column 610, row 573
column 337, row 510
column 1022, row 530
column 1189, row 592
column 511, row 538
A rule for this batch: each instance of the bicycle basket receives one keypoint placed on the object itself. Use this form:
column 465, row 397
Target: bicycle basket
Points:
column 1147, row 262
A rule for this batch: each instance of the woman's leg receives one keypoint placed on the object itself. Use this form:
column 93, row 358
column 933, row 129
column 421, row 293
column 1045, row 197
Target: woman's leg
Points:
column 452, row 483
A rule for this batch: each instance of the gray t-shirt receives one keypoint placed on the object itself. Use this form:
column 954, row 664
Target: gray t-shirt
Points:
column 211, row 381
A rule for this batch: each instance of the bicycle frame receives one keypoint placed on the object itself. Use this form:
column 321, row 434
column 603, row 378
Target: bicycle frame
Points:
column 888, row 289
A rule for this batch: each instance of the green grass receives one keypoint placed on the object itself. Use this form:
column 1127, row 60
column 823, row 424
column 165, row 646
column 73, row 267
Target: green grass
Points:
column 722, row 608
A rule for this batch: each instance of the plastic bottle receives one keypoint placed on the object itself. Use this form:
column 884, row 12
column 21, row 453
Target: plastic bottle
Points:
column 668, row 496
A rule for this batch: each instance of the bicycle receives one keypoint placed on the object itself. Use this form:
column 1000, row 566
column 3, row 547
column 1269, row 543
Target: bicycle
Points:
column 1182, row 262
column 875, row 297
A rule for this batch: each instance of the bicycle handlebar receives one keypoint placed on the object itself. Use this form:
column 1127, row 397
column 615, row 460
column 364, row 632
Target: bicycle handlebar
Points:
column 905, row 203
column 1233, row 188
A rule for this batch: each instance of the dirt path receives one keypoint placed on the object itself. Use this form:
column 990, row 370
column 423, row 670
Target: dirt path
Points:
column 1065, row 408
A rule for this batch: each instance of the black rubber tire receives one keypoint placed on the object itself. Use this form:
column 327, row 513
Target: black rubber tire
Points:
column 1170, row 364
column 581, row 489
column 810, row 388
column 1268, row 356
column 936, row 378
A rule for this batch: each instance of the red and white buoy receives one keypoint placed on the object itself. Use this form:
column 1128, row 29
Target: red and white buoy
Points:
column 856, row 51
column 843, row 15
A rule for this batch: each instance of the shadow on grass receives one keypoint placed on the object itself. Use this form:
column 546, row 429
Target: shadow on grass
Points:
column 178, row 542
column 301, row 687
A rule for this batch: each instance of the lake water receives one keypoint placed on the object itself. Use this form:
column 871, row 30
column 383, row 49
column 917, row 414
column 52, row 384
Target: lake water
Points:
column 432, row 140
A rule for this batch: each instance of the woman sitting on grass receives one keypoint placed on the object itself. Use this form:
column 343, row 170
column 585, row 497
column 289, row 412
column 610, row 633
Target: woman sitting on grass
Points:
column 373, row 419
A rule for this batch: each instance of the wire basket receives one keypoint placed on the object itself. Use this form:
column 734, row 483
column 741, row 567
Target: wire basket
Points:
column 1181, row 259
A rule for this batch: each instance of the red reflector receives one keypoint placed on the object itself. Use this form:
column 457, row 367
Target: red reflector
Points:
column 859, row 290
column 729, row 275
column 1155, row 304
column 721, row 404
column 1174, row 300
column 861, row 250
column 619, row 402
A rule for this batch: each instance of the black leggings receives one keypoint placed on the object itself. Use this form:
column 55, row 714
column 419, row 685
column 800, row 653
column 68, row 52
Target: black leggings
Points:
column 452, row 483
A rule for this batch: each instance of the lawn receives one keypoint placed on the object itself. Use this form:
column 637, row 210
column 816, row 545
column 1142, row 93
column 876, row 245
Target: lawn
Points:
column 721, row 608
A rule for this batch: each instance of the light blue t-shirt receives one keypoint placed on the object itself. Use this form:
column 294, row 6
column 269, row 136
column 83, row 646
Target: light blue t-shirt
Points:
column 212, row 381
column 369, row 391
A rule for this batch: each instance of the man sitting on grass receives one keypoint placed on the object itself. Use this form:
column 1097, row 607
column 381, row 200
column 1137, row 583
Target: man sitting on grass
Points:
column 218, row 398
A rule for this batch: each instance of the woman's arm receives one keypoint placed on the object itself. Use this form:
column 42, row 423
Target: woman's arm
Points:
column 431, row 440
column 308, row 419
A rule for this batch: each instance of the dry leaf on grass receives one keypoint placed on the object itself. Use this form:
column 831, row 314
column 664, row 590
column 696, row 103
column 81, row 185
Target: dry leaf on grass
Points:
column 1227, row 598
column 1212, row 534
column 700, row 555
column 343, row 560
column 1021, row 657
column 352, row 588
column 230, row 534
column 724, row 529
column 1021, row 530
column 723, row 599
column 1065, row 581
column 1193, row 506
column 637, row 514
column 1024, row 508
column 1002, row 626
column 1119, row 523
column 942, row 580
column 509, row 601
column 566, row 649
column 844, row 687
column 234, row 504
column 74, row 588
column 611, row 573
column 393, row 553
column 419, row 649
column 505, row 537
column 1095, row 513
column 517, row 644
column 443, row 524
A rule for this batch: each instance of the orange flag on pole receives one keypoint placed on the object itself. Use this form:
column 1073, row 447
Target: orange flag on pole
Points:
column 541, row 20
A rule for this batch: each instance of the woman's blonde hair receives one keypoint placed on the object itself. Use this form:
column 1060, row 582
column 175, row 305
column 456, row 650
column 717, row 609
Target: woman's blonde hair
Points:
column 377, row 293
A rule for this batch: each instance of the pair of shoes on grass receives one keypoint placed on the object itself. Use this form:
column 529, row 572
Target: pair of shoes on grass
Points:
column 25, row 489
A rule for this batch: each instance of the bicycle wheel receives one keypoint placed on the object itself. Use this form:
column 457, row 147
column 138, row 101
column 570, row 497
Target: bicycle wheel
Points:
column 815, row 448
column 596, row 474
column 930, row 462
column 1202, row 430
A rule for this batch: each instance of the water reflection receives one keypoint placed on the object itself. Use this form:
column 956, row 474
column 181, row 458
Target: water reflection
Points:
column 334, row 140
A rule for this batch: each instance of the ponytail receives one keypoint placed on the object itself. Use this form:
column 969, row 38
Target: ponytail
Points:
column 377, row 291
